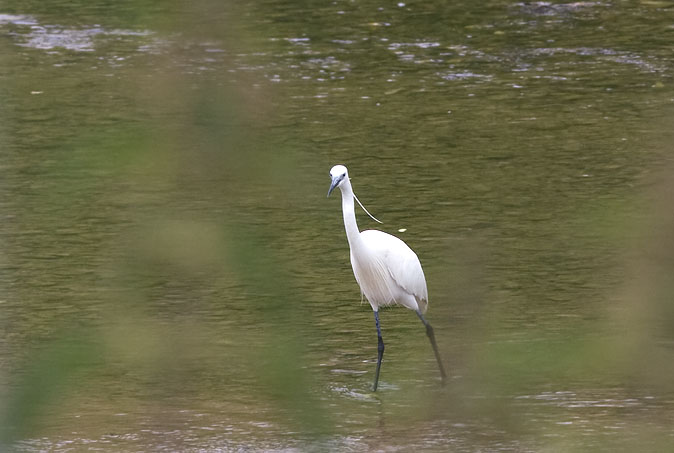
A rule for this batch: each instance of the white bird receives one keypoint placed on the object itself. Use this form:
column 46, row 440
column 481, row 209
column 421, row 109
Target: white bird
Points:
column 387, row 270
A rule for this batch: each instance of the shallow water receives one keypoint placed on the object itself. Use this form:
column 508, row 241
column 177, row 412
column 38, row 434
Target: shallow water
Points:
column 174, row 278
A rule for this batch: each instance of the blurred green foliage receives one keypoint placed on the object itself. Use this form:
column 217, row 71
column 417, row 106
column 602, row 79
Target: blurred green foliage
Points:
column 162, row 255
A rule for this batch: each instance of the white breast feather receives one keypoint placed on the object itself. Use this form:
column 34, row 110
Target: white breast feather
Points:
column 389, row 271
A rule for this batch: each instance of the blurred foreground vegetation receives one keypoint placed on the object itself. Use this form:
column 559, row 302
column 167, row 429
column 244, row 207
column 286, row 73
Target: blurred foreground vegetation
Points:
column 167, row 254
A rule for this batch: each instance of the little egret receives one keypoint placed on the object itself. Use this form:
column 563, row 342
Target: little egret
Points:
column 387, row 270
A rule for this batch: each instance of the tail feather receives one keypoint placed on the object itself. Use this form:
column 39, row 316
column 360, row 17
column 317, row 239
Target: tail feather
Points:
column 423, row 305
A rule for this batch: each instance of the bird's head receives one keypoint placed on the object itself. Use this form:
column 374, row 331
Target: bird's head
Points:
column 338, row 174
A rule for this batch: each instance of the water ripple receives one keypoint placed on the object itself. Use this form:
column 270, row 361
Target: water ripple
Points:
column 34, row 35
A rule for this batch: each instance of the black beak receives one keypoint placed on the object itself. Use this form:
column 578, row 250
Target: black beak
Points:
column 335, row 183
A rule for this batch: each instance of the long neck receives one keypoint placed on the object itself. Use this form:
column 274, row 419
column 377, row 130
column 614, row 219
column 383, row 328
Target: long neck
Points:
column 349, row 213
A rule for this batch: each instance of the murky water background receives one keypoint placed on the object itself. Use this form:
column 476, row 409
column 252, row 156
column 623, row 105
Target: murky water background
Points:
column 174, row 279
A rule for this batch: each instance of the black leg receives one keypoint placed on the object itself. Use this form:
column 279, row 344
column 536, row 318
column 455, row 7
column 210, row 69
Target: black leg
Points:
column 380, row 349
column 431, row 337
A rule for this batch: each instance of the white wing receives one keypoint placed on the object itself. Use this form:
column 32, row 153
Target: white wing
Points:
column 401, row 262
